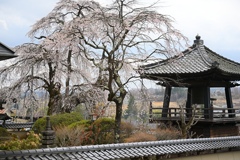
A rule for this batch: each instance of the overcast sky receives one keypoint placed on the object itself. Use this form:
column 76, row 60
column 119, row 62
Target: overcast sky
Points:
column 216, row 21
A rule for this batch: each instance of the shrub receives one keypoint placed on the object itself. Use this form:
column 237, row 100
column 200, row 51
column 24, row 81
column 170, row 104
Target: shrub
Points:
column 68, row 136
column 126, row 130
column 4, row 132
column 65, row 118
column 102, row 131
column 4, row 135
column 85, row 133
column 82, row 123
column 105, row 124
column 56, row 120
column 39, row 125
column 31, row 142
column 167, row 134
column 140, row 137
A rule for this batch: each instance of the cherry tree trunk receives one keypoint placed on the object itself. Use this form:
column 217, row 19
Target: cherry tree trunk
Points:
column 118, row 118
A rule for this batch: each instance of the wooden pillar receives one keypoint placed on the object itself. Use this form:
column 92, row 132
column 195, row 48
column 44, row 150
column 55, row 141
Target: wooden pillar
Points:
column 201, row 96
column 189, row 102
column 166, row 101
column 229, row 102
column 150, row 113
column 208, row 112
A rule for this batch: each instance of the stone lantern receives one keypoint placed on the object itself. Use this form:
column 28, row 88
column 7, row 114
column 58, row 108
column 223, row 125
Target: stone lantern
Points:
column 48, row 135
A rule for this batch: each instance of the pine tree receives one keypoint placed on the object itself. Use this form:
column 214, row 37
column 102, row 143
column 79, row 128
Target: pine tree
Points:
column 131, row 110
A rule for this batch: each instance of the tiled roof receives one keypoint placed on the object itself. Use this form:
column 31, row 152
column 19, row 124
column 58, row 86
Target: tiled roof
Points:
column 6, row 52
column 225, row 64
column 13, row 125
column 126, row 150
column 195, row 60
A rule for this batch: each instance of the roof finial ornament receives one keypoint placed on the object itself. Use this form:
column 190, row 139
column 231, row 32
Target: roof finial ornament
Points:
column 198, row 37
column 198, row 40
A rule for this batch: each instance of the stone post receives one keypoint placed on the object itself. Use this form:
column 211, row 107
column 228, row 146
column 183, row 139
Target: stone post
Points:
column 48, row 135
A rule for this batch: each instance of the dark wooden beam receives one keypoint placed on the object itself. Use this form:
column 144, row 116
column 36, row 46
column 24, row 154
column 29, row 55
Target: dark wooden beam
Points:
column 166, row 101
column 208, row 113
column 229, row 101
column 189, row 102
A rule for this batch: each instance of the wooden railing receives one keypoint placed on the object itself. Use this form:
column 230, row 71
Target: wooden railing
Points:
column 202, row 113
